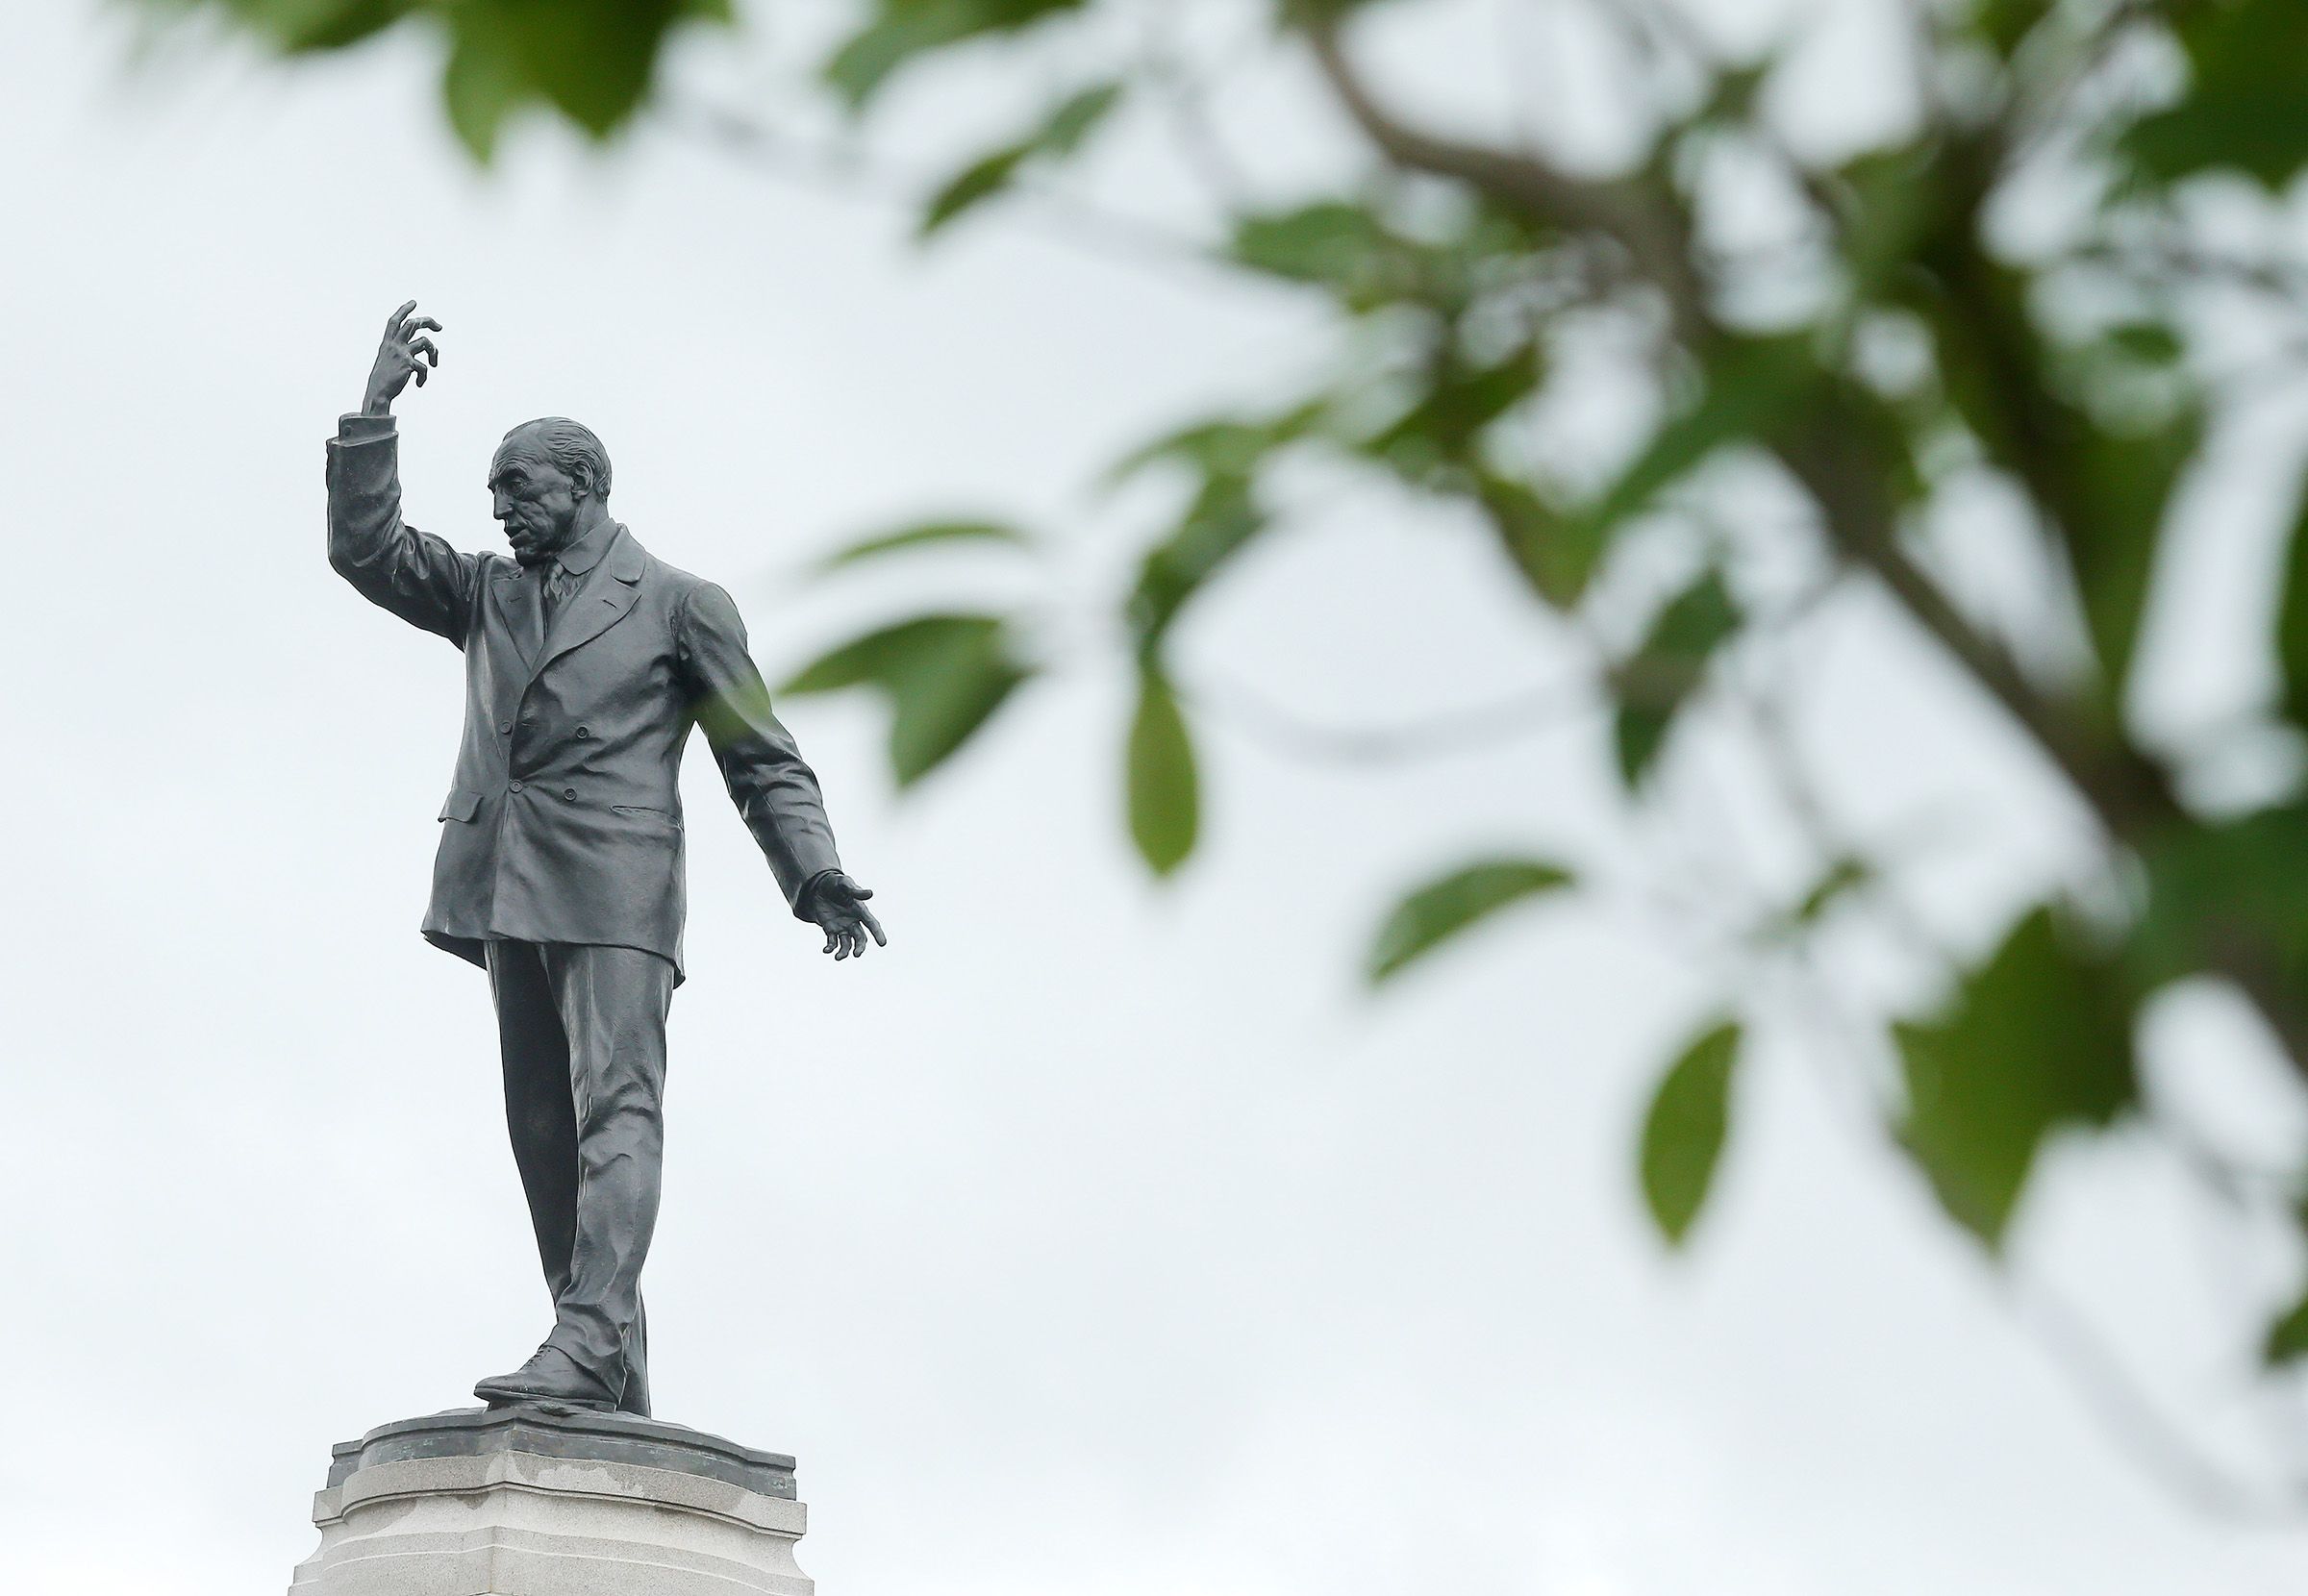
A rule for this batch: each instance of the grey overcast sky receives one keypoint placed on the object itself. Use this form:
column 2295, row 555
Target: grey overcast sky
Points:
column 1094, row 1240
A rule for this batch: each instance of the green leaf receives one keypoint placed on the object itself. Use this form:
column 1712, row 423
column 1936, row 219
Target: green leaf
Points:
column 973, row 184
column 895, row 36
column 1333, row 244
column 2291, row 620
column 2148, row 342
column 944, row 676
column 483, row 83
column 2038, row 1038
column 1892, row 204
column 878, row 656
column 592, row 59
column 1329, row 242
column 1227, row 446
column 1301, row 12
column 1637, row 738
column 2216, row 887
column 1059, row 133
column 898, row 33
column 1077, row 117
column 1441, row 429
column 2287, row 1340
column 1555, row 554
column 1732, row 96
column 1219, row 524
column 939, row 708
column 1661, row 675
column 2036, row 410
column 1748, row 390
column 2004, row 23
column 1842, row 878
column 1444, row 908
column 925, row 535
column 1221, row 448
column 2125, row 487
column 2242, row 111
column 1164, row 793
column 299, row 26
column 595, row 61
column 1684, row 1130
column 1222, row 517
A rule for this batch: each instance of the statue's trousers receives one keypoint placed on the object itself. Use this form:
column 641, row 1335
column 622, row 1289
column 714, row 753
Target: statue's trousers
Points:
column 583, row 1033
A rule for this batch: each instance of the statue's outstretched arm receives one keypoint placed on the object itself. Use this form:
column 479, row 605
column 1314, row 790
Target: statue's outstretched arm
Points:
column 770, row 781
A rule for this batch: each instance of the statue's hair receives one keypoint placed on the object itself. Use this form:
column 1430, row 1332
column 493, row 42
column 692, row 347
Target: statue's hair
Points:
column 570, row 445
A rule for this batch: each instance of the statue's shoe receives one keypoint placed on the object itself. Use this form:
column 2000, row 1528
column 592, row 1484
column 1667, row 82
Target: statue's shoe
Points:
column 550, row 1375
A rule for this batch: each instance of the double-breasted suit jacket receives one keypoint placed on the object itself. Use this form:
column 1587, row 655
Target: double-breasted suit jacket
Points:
column 563, row 822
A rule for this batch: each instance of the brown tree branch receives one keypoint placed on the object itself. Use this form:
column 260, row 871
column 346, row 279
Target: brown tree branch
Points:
column 2128, row 796
column 2126, row 791
column 1851, row 502
column 1439, row 734
column 1656, row 235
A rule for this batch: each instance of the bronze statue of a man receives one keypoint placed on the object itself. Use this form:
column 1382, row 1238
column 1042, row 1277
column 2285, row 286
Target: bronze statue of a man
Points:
column 587, row 661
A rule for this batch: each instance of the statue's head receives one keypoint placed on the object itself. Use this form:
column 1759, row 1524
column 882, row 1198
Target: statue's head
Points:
column 548, row 484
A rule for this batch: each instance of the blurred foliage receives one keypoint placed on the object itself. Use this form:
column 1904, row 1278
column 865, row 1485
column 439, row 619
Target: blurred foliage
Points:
column 943, row 675
column 942, row 534
column 1683, row 1134
column 1165, row 796
column 1057, row 134
column 1667, row 669
column 1444, row 908
column 1912, row 354
column 593, row 62
column 2037, row 1037
column 898, row 33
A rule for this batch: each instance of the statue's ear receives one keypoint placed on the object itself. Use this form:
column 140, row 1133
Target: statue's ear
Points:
column 581, row 477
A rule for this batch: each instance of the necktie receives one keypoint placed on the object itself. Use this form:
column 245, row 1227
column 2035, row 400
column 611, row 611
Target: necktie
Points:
column 558, row 584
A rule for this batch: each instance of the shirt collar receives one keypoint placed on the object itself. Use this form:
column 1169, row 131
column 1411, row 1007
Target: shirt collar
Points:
column 585, row 552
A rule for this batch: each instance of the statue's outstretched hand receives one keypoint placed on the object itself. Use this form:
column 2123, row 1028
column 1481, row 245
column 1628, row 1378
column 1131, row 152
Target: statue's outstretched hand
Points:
column 838, row 905
column 404, row 354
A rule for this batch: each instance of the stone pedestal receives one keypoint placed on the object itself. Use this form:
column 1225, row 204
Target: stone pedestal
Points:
column 530, row 1501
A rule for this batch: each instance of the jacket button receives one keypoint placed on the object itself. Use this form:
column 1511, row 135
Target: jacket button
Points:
column 571, row 793
column 516, row 787
column 583, row 733
column 505, row 725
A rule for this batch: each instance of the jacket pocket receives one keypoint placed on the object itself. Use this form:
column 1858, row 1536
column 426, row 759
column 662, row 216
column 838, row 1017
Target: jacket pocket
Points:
column 640, row 813
column 459, row 806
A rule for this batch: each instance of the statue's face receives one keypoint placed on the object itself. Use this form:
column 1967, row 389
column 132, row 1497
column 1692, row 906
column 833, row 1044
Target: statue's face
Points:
column 535, row 500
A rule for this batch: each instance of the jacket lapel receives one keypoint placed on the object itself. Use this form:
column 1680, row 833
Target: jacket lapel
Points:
column 597, row 606
column 517, row 603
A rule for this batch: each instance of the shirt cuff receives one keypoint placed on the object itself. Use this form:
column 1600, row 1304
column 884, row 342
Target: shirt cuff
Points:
column 805, row 899
column 361, row 427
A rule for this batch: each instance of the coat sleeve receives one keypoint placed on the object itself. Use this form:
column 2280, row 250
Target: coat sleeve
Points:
column 773, row 787
column 417, row 576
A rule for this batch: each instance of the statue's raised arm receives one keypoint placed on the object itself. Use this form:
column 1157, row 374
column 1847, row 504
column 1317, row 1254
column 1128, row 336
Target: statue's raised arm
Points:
column 419, row 578
column 404, row 352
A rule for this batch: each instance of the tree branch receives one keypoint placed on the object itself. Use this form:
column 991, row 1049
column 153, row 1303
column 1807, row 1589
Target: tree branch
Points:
column 2127, row 793
column 2157, row 1440
column 846, row 170
column 1430, row 737
column 1656, row 235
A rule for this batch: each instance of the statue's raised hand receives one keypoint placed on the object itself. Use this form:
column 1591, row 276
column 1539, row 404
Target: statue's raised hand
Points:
column 405, row 353
column 838, row 905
